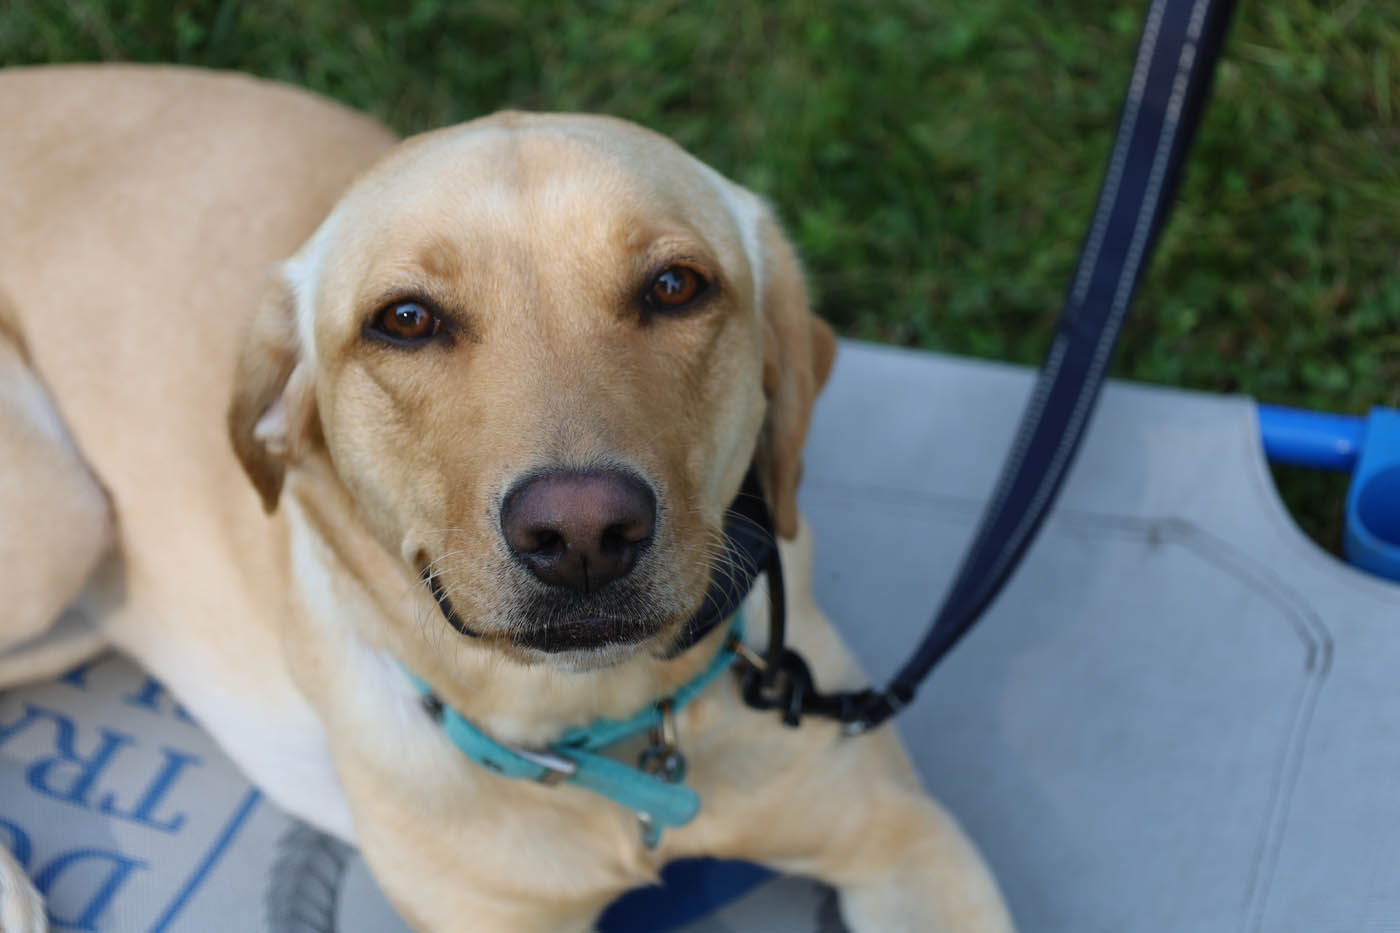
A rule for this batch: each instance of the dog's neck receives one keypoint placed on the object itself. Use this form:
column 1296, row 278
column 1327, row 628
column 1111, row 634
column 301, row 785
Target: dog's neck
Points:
column 367, row 613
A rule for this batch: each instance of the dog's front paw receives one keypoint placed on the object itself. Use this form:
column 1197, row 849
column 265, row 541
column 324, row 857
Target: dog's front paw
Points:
column 21, row 907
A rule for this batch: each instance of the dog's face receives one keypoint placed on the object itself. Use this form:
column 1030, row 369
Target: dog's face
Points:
column 540, row 353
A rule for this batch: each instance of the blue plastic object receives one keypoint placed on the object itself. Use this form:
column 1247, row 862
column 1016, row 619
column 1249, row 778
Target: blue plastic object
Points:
column 1372, row 537
column 1314, row 439
column 1367, row 446
column 689, row 889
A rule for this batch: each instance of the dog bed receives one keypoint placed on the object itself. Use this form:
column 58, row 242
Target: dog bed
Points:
column 1180, row 715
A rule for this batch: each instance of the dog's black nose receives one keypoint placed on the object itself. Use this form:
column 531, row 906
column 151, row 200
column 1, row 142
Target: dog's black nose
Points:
column 579, row 530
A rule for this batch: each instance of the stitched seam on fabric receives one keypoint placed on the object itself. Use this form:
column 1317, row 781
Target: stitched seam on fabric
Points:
column 1119, row 160
column 1034, row 410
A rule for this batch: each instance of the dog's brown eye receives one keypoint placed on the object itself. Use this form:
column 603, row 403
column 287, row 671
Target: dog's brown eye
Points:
column 675, row 286
column 407, row 320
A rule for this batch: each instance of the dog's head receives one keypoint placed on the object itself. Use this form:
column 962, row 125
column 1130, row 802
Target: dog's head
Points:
column 540, row 353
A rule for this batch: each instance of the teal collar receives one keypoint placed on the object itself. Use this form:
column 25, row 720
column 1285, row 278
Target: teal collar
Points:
column 653, row 790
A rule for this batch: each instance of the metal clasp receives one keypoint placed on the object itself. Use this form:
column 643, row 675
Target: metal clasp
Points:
column 557, row 768
column 651, row 833
column 664, row 758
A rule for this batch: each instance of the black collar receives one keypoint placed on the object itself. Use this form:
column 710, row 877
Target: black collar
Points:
column 750, row 547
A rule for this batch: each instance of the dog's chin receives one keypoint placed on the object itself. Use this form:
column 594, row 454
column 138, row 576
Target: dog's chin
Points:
column 583, row 661
column 583, row 645
column 586, row 643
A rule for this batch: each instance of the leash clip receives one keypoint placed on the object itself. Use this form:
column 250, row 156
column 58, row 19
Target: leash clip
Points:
column 790, row 688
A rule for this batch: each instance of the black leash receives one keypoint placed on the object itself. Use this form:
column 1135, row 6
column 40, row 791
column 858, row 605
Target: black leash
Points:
column 1176, row 58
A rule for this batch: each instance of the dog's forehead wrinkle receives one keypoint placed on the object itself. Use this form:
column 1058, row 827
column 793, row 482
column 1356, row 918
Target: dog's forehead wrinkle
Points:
column 526, row 225
column 539, row 166
column 442, row 258
column 494, row 171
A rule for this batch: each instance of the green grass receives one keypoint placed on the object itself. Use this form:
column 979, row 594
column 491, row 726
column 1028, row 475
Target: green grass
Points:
column 935, row 161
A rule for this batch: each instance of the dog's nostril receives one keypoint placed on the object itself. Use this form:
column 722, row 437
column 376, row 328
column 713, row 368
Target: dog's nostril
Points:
column 617, row 538
column 579, row 530
column 547, row 543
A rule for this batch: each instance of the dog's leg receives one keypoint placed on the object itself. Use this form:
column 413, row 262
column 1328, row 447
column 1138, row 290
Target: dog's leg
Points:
column 851, row 812
column 55, row 525
column 435, row 886
column 21, row 907
column 912, row 869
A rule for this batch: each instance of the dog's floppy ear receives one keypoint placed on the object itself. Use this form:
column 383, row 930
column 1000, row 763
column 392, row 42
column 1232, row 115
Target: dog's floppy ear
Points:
column 274, row 399
column 798, row 350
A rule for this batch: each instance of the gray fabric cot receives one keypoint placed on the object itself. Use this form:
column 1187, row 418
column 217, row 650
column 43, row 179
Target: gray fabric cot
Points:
column 1180, row 716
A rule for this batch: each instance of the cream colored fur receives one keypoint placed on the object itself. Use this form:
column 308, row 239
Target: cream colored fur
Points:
column 242, row 487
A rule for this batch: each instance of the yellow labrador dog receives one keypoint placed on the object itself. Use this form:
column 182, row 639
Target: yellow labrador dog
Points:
column 520, row 365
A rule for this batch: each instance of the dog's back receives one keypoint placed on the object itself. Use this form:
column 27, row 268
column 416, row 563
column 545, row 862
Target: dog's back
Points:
column 140, row 211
